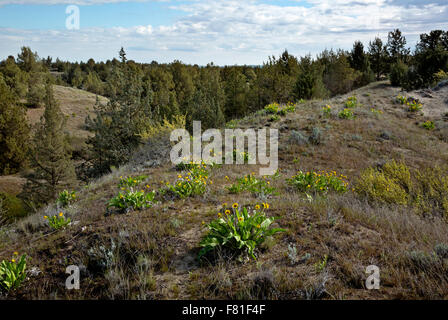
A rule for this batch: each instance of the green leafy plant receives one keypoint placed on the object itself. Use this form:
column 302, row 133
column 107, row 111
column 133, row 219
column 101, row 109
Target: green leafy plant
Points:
column 402, row 100
column 192, row 184
column 58, row 221
column 352, row 102
column 239, row 230
column 428, row 125
column 319, row 182
column 321, row 265
column 346, row 114
column 129, row 182
column 376, row 112
column 252, row 184
column 12, row 273
column 66, row 197
column 239, row 154
column 290, row 107
column 272, row 108
column 327, row 110
column 414, row 106
column 135, row 200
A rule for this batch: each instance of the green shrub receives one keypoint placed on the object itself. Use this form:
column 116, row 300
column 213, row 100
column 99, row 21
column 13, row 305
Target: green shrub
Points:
column 316, row 136
column 388, row 185
column 440, row 76
column 239, row 230
column 12, row 208
column 319, row 182
column 426, row 190
column 12, row 273
column 346, row 114
column 398, row 73
column 430, row 191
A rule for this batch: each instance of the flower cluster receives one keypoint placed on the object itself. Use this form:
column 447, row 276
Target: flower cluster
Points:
column 58, row 221
column 194, row 182
column 319, row 182
column 327, row 110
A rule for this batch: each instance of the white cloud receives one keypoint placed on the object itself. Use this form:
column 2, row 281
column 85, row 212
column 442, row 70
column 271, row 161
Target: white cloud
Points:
column 68, row 2
column 243, row 32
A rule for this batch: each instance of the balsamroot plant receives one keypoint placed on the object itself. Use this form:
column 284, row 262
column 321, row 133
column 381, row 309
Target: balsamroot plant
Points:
column 239, row 230
column 12, row 273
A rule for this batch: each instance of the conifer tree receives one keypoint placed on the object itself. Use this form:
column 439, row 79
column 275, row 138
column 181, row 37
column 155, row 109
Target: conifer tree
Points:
column 378, row 56
column 50, row 156
column 118, row 124
column 396, row 46
column 14, row 131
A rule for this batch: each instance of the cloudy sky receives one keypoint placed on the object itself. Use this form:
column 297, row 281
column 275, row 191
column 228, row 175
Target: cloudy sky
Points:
column 202, row 31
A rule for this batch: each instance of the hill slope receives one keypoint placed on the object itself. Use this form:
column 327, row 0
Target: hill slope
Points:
column 76, row 105
column 152, row 254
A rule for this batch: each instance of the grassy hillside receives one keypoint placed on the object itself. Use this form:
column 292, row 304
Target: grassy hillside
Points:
column 76, row 105
column 330, row 238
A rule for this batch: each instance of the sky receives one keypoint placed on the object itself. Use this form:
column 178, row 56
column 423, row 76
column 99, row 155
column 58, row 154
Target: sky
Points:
column 225, row 32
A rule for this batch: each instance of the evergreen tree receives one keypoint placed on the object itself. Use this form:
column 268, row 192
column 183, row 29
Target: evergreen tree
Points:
column 309, row 82
column 27, row 60
column 36, row 92
column 431, row 56
column 14, row 131
column 236, row 91
column 396, row 46
column 360, row 62
column 50, row 156
column 118, row 124
column 378, row 56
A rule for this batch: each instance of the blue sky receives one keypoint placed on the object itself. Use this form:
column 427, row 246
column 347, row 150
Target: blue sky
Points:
column 196, row 31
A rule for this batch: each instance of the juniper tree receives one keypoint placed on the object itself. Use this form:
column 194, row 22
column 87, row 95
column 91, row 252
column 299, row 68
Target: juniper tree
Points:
column 14, row 131
column 378, row 56
column 50, row 156
column 396, row 46
column 360, row 61
column 118, row 124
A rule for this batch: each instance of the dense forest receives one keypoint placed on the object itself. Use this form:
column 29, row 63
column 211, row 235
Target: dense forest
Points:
column 143, row 96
